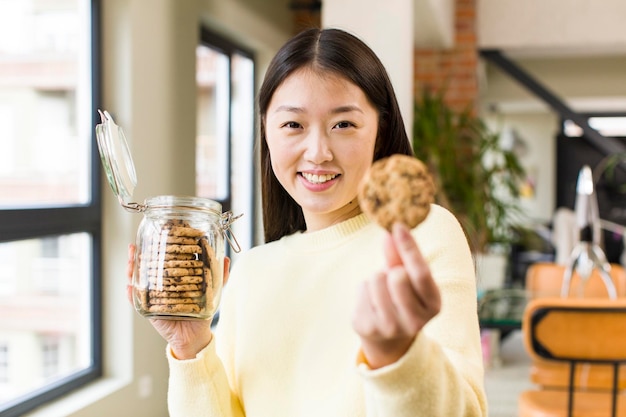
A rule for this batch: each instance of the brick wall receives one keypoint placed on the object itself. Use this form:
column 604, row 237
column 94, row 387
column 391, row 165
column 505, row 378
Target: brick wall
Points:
column 306, row 15
column 454, row 69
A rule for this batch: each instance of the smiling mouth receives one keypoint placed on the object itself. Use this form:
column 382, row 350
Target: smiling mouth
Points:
column 319, row 179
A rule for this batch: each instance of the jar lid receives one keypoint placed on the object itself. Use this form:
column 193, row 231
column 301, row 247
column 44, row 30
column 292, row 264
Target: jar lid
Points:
column 116, row 158
column 120, row 172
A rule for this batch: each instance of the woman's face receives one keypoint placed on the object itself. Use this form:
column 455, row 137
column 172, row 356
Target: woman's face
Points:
column 321, row 132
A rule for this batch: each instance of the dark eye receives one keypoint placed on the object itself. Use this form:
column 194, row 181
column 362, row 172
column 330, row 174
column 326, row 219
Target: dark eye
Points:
column 344, row 125
column 292, row 125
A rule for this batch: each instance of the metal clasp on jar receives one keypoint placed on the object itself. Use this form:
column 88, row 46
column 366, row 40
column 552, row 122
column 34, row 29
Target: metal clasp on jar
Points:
column 227, row 219
column 132, row 207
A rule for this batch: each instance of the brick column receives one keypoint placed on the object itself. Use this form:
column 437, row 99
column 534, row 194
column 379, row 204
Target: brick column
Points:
column 306, row 14
column 454, row 69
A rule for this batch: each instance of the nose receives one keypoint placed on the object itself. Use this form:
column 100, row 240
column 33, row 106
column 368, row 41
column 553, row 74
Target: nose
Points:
column 318, row 148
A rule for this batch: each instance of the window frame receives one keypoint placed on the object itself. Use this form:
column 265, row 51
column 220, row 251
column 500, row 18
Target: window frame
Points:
column 28, row 223
column 4, row 363
column 227, row 47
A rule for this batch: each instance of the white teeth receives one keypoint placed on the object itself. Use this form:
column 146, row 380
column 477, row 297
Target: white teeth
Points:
column 318, row 179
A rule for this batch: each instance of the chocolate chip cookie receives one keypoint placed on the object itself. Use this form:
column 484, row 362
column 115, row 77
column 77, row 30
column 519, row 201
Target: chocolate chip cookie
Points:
column 398, row 188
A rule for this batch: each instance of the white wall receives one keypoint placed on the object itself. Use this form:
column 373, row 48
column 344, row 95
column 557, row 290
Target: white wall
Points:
column 387, row 28
column 556, row 25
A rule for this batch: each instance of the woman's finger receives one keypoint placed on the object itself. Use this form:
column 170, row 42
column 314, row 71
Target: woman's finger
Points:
column 226, row 270
column 407, row 249
column 391, row 252
column 383, row 306
column 410, row 310
column 129, row 272
column 131, row 262
column 419, row 272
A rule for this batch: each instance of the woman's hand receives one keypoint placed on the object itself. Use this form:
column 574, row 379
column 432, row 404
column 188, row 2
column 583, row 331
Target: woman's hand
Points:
column 185, row 337
column 396, row 303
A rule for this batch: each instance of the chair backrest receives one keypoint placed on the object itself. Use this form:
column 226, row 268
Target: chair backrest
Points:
column 544, row 279
column 581, row 330
column 576, row 331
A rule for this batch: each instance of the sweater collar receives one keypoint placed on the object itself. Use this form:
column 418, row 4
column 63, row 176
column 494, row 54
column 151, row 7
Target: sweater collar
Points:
column 330, row 236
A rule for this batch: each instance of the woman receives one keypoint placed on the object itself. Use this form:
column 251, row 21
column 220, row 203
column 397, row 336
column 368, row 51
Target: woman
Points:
column 334, row 316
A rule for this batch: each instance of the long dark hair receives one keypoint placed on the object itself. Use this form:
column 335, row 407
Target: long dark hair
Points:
column 341, row 53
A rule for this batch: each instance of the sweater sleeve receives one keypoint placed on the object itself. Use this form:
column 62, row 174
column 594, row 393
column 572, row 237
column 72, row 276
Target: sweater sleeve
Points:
column 203, row 386
column 199, row 387
column 442, row 372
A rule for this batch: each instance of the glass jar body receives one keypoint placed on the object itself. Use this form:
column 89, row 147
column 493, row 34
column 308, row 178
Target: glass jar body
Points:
column 179, row 262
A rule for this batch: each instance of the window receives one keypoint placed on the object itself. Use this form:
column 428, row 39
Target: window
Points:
column 50, row 214
column 611, row 126
column 50, row 357
column 4, row 366
column 225, row 140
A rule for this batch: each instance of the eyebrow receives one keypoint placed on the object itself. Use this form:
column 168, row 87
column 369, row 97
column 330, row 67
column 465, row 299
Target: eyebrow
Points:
column 288, row 108
column 346, row 109
column 338, row 110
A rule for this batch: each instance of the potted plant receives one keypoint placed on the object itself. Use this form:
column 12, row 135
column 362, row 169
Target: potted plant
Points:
column 476, row 177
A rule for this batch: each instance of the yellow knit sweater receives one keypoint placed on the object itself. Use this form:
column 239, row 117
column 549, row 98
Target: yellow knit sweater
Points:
column 285, row 347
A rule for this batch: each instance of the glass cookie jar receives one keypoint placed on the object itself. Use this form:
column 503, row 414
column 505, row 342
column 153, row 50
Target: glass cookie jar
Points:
column 179, row 262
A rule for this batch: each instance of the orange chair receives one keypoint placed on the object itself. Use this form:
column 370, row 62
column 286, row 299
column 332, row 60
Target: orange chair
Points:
column 544, row 280
column 577, row 332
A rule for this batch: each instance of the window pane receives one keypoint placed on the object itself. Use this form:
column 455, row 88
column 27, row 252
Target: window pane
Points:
column 213, row 82
column 45, row 103
column 242, row 128
column 45, row 293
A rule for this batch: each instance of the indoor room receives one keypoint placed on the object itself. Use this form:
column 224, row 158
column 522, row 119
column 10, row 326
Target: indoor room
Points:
column 516, row 109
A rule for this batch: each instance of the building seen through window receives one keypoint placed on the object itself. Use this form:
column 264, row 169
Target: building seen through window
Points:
column 49, row 201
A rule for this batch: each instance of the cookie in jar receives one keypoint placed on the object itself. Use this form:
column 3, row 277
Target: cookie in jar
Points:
column 180, row 258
